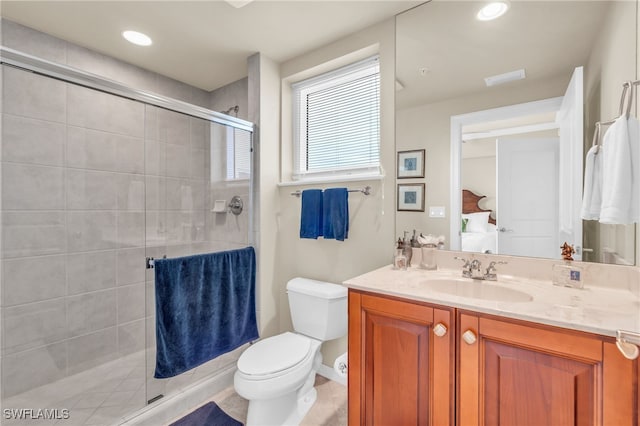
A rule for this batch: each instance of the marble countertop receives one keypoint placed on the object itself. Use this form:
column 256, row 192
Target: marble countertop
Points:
column 592, row 309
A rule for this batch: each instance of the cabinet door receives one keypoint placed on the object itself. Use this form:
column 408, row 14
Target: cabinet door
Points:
column 400, row 372
column 621, row 377
column 515, row 374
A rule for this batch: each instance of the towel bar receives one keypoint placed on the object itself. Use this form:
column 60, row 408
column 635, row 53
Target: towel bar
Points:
column 149, row 262
column 366, row 191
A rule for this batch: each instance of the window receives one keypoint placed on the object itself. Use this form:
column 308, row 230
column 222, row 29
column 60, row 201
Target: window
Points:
column 238, row 154
column 337, row 122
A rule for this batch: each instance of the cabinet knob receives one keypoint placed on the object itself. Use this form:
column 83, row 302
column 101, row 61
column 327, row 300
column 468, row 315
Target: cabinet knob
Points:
column 440, row 329
column 469, row 337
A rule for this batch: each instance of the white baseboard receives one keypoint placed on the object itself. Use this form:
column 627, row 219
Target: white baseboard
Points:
column 331, row 374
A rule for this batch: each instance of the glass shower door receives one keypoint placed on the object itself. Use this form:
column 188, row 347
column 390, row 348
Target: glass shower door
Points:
column 73, row 298
column 190, row 164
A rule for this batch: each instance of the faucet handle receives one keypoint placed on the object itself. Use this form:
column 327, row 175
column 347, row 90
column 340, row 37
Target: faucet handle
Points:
column 493, row 263
column 491, row 269
column 466, row 261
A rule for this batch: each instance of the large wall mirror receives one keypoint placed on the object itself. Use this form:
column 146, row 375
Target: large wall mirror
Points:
column 505, row 110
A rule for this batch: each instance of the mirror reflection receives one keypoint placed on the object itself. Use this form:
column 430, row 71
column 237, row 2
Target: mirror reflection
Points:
column 505, row 110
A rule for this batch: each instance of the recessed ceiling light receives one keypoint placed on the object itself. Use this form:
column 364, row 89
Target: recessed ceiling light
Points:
column 492, row 10
column 137, row 38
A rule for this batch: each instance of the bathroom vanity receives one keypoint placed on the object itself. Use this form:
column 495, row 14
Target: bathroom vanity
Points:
column 434, row 348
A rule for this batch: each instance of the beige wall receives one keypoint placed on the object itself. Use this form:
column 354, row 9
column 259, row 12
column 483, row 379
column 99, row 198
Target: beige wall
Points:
column 611, row 63
column 371, row 232
column 428, row 126
column 264, row 103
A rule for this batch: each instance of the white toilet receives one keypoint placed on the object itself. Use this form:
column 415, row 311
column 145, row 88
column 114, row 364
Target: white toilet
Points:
column 277, row 374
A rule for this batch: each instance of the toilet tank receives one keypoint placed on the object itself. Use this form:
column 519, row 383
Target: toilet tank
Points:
column 318, row 309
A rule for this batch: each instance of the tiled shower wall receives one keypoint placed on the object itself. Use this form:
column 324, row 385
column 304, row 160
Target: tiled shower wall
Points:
column 91, row 183
column 73, row 229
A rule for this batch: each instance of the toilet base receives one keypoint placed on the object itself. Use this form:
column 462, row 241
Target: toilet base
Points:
column 286, row 410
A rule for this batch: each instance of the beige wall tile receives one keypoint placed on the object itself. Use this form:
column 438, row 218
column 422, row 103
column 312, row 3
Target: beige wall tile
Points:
column 131, row 229
column 91, row 312
column 26, row 140
column 88, row 272
column 88, row 231
column 33, row 233
column 33, row 325
column 28, row 187
column 30, row 95
column 28, row 40
column 89, row 190
column 100, row 111
column 131, row 302
column 92, row 349
column 130, row 266
column 131, row 338
column 33, row 279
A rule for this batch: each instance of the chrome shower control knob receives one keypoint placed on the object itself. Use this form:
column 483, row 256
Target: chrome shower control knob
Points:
column 469, row 337
column 440, row 329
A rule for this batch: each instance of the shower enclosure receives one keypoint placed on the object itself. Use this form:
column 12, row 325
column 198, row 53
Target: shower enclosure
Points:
column 96, row 179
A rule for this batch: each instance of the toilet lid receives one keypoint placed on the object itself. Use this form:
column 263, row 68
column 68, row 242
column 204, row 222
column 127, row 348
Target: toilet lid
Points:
column 274, row 354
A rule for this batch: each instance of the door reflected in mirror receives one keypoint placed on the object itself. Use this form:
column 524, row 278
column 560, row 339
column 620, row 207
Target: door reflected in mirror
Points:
column 498, row 106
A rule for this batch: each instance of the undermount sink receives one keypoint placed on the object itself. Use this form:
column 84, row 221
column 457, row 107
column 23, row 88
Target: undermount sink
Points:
column 474, row 289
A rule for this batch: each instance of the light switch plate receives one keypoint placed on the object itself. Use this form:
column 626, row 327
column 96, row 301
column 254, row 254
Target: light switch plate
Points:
column 437, row 211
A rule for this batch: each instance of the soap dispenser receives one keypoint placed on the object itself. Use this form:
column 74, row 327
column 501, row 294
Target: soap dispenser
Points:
column 407, row 250
column 399, row 260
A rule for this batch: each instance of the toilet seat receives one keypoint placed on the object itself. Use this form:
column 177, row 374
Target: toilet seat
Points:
column 275, row 355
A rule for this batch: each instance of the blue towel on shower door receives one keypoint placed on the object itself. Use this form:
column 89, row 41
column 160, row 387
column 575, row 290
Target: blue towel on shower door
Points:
column 205, row 307
column 311, row 214
column 335, row 214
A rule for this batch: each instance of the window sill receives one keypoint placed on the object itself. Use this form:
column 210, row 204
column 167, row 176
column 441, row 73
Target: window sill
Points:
column 331, row 179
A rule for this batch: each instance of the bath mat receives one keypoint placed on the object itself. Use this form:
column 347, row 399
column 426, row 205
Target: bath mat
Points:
column 207, row 415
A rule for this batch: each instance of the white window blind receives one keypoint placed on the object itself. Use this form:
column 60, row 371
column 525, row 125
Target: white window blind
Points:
column 337, row 122
column 238, row 154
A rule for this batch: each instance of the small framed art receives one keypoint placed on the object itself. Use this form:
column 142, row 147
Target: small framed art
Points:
column 411, row 164
column 411, row 197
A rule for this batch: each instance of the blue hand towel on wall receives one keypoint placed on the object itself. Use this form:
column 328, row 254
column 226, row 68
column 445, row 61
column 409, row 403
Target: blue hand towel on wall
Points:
column 311, row 214
column 205, row 307
column 335, row 214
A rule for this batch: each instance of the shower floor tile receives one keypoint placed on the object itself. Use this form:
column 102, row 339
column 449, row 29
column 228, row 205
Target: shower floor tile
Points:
column 97, row 397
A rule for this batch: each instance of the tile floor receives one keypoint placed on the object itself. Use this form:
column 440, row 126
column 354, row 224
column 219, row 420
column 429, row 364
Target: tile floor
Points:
column 107, row 394
column 330, row 408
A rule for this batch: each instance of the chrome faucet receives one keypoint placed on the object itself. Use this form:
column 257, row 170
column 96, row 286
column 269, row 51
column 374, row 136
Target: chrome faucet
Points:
column 471, row 269
column 476, row 273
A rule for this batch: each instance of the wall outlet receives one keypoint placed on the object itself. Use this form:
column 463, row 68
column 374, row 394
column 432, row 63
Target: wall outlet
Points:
column 437, row 211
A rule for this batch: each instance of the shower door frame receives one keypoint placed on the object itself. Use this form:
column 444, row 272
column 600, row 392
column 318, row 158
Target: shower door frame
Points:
column 39, row 66
column 68, row 74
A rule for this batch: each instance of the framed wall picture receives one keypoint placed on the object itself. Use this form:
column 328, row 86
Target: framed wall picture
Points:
column 411, row 164
column 411, row 197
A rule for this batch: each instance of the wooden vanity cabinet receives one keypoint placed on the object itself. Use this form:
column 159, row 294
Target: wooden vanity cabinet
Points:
column 504, row 371
column 400, row 371
column 522, row 374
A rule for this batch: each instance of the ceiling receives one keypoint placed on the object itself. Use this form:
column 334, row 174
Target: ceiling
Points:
column 546, row 38
column 202, row 43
